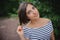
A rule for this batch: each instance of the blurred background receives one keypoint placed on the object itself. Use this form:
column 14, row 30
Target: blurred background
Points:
column 9, row 16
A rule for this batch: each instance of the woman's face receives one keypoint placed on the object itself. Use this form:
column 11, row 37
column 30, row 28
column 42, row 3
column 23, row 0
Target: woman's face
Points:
column 32, row 12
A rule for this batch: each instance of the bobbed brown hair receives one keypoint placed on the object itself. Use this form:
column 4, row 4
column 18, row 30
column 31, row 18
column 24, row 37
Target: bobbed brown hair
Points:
column 23, row 19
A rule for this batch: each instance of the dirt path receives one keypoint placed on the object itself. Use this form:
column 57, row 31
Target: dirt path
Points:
column 8, row 28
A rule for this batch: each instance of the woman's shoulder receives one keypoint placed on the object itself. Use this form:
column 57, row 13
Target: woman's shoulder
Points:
column 46, row 19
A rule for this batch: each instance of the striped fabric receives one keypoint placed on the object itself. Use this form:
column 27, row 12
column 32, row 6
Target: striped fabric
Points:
column 42, row 33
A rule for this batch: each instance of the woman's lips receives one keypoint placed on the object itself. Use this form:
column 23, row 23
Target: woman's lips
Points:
column 36, row 15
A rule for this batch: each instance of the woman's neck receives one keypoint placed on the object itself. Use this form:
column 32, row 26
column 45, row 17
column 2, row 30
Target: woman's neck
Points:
column 35, row 21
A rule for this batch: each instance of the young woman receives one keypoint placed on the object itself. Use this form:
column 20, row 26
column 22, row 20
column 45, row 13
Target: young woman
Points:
column 32, row 26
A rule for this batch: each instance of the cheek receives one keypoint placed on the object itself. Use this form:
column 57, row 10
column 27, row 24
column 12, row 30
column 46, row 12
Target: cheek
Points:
column 37, row 11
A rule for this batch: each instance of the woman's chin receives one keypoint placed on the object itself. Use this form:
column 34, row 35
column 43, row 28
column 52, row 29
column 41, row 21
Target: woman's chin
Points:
column 36, row 17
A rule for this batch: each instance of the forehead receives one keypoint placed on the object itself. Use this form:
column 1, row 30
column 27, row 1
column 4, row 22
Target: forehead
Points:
column 29, row 7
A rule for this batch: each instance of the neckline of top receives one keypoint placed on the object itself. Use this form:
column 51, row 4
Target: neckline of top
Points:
column 38, row 27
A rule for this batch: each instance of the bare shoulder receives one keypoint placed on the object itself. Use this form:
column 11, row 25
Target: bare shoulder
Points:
column 46, row 19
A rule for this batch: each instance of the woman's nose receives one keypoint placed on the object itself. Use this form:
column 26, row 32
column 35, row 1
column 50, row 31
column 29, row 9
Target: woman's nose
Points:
column 34, row 13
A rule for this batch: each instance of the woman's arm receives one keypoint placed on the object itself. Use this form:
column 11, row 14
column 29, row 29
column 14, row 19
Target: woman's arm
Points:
column 21, row 33
column 23, row 38
column 52, row 36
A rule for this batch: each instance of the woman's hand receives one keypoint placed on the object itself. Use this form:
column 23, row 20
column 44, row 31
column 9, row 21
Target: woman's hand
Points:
column 20, row 31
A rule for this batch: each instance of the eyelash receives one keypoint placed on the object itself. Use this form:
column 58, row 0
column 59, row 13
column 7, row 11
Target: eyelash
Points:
column 33, row 7
column 29, row 12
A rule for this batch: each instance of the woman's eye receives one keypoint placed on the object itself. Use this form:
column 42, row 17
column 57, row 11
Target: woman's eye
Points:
column 33, row 7
column 29, row 12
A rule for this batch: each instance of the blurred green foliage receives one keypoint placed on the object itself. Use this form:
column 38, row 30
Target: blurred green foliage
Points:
column 46, row 9
column 8, row 7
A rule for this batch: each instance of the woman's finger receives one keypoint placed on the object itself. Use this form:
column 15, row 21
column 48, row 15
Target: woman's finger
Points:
column 19, row 28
